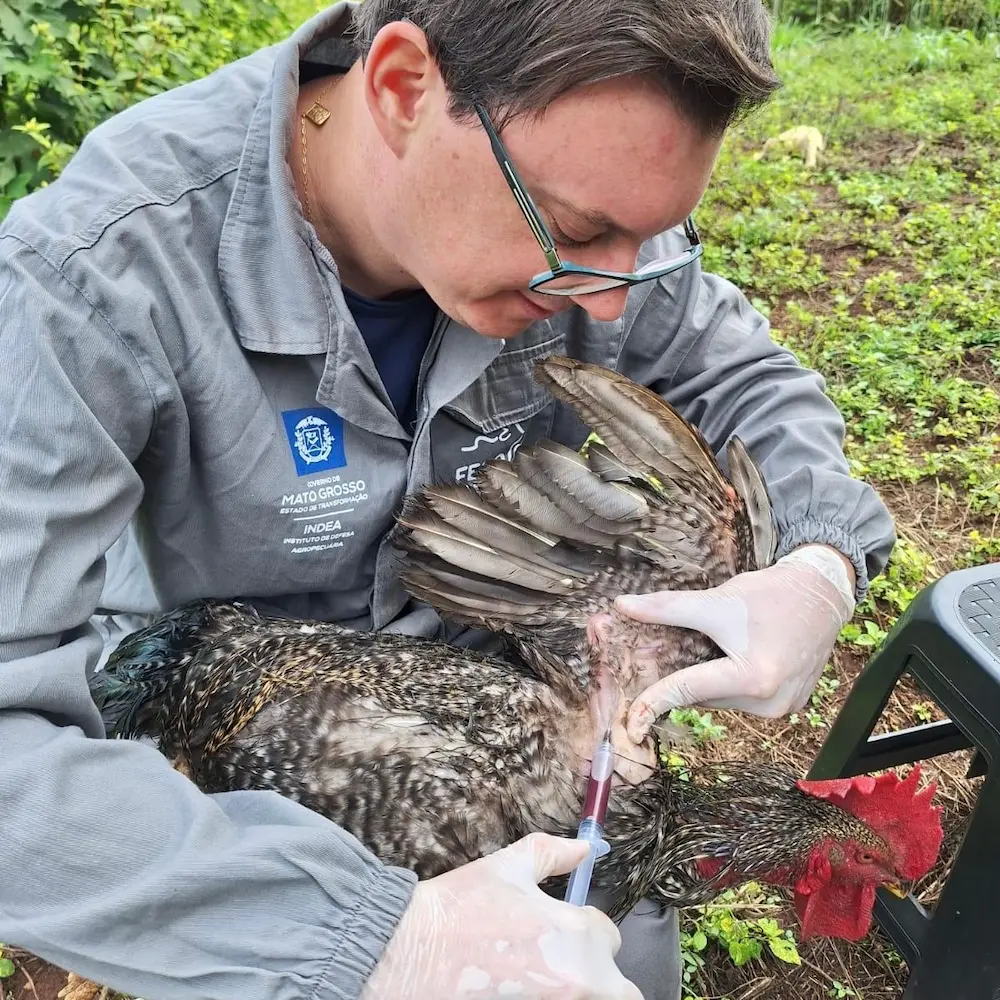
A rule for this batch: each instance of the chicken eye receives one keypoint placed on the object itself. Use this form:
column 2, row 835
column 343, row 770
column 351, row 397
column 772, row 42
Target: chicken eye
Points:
column 865, row 858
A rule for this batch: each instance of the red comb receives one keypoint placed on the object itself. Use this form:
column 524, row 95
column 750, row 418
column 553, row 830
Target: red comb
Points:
column 894, row 809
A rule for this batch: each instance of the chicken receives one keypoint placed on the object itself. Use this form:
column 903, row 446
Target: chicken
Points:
column 433, row 755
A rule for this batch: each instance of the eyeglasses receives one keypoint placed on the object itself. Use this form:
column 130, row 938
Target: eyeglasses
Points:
column 564, row 277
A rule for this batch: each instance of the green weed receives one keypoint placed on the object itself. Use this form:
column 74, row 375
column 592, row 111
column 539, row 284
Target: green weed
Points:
column 880, row 268
column 839, row 991
column 699, row 723
column 717, row 927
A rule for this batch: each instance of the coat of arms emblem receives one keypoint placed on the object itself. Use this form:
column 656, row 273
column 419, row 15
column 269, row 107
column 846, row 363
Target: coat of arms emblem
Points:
column 313, row 439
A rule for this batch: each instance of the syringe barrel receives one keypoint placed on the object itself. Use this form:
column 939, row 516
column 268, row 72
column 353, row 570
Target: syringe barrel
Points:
column 599, row 786
column 579, row 881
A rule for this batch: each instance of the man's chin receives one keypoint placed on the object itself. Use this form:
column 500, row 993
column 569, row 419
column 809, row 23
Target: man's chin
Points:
column 502, row 315
column 492, row 320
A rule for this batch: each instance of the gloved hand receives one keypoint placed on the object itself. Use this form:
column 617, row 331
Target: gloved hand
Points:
column 777, row 627
column 485, row 931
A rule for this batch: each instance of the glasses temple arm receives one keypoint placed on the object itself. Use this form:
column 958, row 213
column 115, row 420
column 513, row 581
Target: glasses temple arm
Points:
column 541, row 231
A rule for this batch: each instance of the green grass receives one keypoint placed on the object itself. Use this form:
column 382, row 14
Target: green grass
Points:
column 298, row 11
column 880, row 267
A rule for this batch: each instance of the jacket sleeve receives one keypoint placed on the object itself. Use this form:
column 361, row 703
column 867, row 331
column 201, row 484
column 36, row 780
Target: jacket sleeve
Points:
column 695, row 339
column 115, row 865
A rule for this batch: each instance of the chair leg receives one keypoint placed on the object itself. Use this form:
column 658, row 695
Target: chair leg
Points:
column 951, row 951
column 905, row 923
column 961, row 958
column 848, row 750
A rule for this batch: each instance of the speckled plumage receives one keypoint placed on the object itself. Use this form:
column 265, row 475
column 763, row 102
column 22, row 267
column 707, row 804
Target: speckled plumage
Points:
column 387, row 734
column 750, row 819
column 433, row 755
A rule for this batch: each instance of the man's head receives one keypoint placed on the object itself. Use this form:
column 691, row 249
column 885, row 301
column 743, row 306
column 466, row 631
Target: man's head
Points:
column 613, row 114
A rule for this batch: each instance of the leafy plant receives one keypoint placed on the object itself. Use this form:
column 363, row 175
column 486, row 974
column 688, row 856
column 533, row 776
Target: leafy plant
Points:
column 979, row 549
column 741, row 939
column 879, row 269
column 699, row 723
column 839, row 991
column 677, row 764
column 841, row 16
column 866, row 634
column 66, row 65
column 6, row 965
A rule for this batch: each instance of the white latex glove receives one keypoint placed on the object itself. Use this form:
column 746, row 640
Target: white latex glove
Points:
column 486, row 931
column 777, row 627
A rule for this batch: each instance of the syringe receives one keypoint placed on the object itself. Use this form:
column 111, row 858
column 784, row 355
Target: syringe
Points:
column 591, row 827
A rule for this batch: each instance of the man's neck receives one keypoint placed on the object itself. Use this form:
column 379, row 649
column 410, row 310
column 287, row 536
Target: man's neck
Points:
column 334, row 180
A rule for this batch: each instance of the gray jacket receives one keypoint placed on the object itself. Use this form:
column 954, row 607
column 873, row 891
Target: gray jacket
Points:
column 176, row 355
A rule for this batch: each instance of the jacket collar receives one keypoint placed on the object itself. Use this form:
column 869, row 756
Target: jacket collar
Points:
column 281, row 284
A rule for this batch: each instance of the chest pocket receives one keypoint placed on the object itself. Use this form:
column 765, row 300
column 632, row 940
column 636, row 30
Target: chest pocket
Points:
column 501, row 412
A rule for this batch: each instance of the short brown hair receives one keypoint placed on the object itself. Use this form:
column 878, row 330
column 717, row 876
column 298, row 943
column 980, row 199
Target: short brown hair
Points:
column 712, row 57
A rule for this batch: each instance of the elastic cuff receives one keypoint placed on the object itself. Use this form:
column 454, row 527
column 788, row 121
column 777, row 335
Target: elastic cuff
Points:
column 809, row 531
column 365, row 933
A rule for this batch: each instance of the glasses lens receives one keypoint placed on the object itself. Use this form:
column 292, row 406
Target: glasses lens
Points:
column 577, row 283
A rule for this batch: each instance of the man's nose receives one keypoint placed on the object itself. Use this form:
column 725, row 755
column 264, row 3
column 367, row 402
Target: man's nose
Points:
column 606, row 306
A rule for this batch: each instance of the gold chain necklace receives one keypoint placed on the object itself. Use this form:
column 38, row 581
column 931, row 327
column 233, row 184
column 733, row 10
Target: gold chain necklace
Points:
column 318, row 114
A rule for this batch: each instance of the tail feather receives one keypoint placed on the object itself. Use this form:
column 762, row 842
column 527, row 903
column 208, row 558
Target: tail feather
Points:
column 609, row 507
column 500, row 483
column 426, row 531
column 750, row 485
column 609, row 468
column 143, row 679
column 460, row 600
column 464, row 510
column 469, row 598
column 635, row 423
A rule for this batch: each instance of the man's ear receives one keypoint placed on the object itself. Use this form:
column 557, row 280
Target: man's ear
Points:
column 402, row 84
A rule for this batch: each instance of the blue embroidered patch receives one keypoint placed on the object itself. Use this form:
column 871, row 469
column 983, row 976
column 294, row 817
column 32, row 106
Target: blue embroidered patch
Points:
column 316, row 437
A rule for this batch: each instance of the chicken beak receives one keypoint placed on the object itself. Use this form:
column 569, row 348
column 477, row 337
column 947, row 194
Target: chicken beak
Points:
column 898, row 890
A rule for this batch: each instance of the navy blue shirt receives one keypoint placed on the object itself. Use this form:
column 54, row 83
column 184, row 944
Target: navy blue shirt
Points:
column 397, row 332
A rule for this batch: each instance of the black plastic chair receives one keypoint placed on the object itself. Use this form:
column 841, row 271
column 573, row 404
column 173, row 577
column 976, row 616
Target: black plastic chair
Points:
column 948, row 640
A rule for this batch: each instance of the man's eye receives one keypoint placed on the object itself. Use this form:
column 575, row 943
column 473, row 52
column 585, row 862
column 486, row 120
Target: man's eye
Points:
column 567, row 241
column 564, row 239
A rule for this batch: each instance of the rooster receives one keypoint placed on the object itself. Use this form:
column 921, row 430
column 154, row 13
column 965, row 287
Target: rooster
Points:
column 434, row 755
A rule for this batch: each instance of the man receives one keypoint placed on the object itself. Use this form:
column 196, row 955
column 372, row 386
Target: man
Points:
column 253, row 313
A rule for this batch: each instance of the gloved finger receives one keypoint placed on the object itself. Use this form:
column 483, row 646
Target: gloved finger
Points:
column 591, row 973
column 624, row 989
column 629, row 991
column 546, row 855
column 719, row 615
column 583, row 945
column 693, row 685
